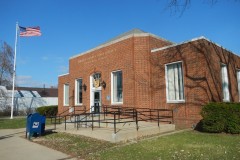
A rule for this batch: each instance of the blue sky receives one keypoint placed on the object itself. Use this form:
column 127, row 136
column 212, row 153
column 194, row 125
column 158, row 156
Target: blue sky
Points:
column 70, row 27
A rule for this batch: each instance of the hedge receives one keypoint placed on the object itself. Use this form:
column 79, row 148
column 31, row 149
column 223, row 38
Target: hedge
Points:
column 47, row 110
column 220, row 117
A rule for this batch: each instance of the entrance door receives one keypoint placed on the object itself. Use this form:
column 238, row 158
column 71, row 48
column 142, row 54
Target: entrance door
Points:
column 97, row 101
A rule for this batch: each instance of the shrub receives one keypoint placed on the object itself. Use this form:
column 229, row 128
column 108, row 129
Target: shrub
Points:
column 47, row 110
column 220, row 117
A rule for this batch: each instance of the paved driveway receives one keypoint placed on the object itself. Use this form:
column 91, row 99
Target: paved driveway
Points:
column 14, row 147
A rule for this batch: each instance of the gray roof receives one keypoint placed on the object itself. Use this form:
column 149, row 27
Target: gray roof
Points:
column 28, row 92
column 133, row 31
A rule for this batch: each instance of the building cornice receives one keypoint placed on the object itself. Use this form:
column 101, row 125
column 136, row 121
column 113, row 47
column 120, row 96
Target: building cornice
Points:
column 63, row 75
column 192, row 40
column 118, row 40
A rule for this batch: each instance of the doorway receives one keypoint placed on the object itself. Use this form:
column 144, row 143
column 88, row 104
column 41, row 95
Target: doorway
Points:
column 95, row 93
column 97, row 101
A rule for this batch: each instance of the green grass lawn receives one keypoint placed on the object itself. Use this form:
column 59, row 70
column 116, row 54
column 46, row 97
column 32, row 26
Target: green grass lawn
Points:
column 7, row 123
column 75, row 145
column 12, row 123
column 185, row 145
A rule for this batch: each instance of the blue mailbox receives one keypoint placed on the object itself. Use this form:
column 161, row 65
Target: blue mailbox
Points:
column 35, row 125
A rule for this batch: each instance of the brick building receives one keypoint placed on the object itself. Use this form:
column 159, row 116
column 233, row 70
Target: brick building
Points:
column 141, row 70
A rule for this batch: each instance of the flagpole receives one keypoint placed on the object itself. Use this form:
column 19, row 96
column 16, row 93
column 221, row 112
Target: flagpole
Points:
column 14, row 70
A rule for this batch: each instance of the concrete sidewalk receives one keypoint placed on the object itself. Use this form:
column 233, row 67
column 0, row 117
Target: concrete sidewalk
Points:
column 124, row 131
column 13, row 147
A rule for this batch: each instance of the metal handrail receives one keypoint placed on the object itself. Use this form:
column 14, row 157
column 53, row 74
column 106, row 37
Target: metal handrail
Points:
column 121, row 114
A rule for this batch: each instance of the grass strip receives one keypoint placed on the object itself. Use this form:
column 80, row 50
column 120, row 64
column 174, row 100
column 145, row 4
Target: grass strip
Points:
column 183, row 145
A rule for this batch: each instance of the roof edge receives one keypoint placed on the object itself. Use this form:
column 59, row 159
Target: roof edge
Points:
column 192, row 40
column 145, row 34
column 177, row 44
column 63, row 74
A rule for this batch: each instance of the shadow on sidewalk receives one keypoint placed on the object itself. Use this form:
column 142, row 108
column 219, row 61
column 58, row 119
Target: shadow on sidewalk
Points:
column 10, row 135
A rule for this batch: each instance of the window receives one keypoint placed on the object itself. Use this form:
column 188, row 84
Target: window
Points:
column 78, row 91
column 174, row 81
column 225, row 85
column 116, row 86
column 238, row 82
column 66, row 94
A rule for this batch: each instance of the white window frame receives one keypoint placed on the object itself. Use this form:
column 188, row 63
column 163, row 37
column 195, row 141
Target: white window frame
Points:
column 225, row 79
column 166, row 80
column 238, row 83
column 64, row 94
column 77, row 92
column 112, row 101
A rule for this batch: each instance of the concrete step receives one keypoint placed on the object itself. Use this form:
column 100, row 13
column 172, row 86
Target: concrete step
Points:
column 124, row 132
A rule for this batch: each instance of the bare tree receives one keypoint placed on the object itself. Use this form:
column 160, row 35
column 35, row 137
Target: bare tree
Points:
column 6, row 64
column 181, row 5
column 6, row 70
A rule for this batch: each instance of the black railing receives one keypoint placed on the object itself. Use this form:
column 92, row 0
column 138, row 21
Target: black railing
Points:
column 66, row 114
column 117, row 114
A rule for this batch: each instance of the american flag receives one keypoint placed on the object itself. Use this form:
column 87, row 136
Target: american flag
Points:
column 29, row 31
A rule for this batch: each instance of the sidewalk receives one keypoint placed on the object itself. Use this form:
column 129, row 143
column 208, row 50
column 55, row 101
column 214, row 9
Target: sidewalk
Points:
column 13, row 147
column 124, row 131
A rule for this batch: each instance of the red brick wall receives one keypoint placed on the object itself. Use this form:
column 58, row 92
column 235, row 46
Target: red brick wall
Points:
column 61, row 81
column 142, row 69
column 130, row 55
column 143, row 72
column 114, row 57
column 202, row 78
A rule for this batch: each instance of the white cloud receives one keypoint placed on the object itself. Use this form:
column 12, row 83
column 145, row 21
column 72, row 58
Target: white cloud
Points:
column 45, row 58
column 59, row 59
column 62, row 69
column 28, row 81
column 53, row 58
column 22, row 61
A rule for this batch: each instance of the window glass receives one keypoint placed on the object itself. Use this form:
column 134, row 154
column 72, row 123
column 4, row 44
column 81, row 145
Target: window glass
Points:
column 238, row 82
column 66, row 94
column 117, row 90
column 225, row 84
column 78, row 91
column 175, row 89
